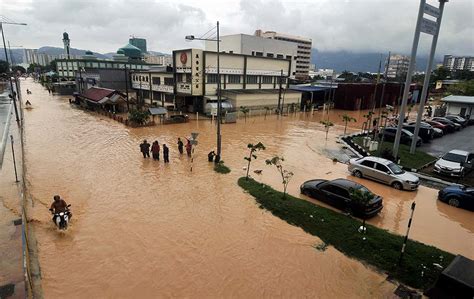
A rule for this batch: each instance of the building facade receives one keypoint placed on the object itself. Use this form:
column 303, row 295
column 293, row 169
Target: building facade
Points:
column 257, row 46
column 304, row 46
column 457, row 63
column 166, row 60
column 246, row 80
column 397, row 66
column 140, row 43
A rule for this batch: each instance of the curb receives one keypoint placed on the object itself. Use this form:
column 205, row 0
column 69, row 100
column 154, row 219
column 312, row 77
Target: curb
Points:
column 436, row 180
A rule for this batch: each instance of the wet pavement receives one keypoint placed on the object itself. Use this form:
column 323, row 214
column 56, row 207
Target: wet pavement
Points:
column 460, row 140
column 142, row 228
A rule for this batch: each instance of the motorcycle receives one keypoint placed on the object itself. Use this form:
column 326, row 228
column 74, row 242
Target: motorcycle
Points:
column 61, row 219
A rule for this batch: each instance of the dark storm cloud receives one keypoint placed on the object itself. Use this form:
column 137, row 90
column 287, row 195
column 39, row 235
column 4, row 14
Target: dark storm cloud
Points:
column 358, row 25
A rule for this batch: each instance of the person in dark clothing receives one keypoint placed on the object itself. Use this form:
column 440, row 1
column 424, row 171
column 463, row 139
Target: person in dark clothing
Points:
column 155, row 150
column 145, row 149
column 210, row 156
column 188, row 148
column 180, row 146
column 166, row 153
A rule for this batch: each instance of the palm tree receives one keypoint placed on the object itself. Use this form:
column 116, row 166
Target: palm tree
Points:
column 244, row 110
column 362, row 198
column 368, row 116
column 327, row 124
column 266, row 111
column 253, row 148
column 347, row 119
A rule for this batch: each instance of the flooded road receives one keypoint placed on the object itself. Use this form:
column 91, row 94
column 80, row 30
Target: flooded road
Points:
column 142, row 228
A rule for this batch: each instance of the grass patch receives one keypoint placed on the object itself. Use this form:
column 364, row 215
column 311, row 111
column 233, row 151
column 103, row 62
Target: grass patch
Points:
column 221, row 168
column 407, row 160
column 381, row 248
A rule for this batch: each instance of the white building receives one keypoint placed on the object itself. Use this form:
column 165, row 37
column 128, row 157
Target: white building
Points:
column 325, row 73
column 398, row 65
column 257, row 46
column 159, row 59
column 31, row 56
column 304, row 46
column 455, row 63
column 459, row 105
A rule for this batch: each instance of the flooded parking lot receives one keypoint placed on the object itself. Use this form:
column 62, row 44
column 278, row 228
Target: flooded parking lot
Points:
column 141, row 227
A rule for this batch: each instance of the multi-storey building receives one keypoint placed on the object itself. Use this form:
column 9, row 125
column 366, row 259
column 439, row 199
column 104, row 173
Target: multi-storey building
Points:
column 140, row 43
column 397, row 66
column 246, row 80
column 456, row 63
column 304, row 46
column 166, row 60
column 257, row 46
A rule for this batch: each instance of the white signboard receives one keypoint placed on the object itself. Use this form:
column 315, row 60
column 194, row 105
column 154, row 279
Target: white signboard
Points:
column 431, row 10
column 163, row 88
column 183, row 87
column 428, row 26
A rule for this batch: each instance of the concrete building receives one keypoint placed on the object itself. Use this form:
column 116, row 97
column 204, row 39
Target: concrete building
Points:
column 140, row 43
column 304, row 46
column 456, row 63
column 325, row 73
column 459, row 105
column 67, row 45
column 257, row 46
column 398, row 66
column 31, row 56
column 246, row 80
column 166, row 60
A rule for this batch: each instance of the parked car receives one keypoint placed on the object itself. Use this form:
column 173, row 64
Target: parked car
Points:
column 452, row 163
column 175, row 119
column 384, row 171
column 426, row 132
column 337, row 193
column 444, row 120
column 438, row 133
column 458, row 196
column 406, row 137
column 457, row 119
column 447, row 128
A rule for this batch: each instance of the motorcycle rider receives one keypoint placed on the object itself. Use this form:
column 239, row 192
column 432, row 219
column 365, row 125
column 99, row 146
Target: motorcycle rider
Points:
column 58, row 206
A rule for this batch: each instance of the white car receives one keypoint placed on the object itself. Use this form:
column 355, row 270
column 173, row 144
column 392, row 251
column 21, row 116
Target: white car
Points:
column 451, row 163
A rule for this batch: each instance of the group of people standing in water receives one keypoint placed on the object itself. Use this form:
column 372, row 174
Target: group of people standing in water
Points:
column 155, row 149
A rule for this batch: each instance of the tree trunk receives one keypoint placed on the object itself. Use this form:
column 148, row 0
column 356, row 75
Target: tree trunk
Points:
column 248, row 166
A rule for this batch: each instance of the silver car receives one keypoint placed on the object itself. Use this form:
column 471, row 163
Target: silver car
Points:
column 453, row 163
column 384, row 171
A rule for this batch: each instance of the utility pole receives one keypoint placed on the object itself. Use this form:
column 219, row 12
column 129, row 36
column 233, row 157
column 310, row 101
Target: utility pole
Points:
column 401, row 117
column 438, row 14
column 383, row 92
column 219, row 103
column 279, row 92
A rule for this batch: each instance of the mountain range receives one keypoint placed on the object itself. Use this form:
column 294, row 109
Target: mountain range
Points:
column 337, row 60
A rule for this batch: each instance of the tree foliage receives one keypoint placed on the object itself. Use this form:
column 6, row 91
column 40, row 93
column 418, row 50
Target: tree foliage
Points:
column 465, row 88
column 285, row 174
column 253, row 148
column 244, row 110
column 327, row 124
column 347, row 119
column 3, row 66
column 138, row 117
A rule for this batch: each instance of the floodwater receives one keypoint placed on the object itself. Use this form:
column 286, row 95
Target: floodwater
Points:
column 142, row 228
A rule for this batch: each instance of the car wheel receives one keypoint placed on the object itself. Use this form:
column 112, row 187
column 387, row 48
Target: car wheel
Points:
column 453, row 202
column 357, row 173
column 397, row 185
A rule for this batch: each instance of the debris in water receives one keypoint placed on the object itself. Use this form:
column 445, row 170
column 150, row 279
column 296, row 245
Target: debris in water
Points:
column 321, row 247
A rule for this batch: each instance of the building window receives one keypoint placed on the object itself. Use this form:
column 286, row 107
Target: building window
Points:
column 234, row 79
column 253, row 53
column 188, row 78
column 258, row 53
column 169, row 81
column 212, row 78
column 280, row 56
column 269, row 54
column 288, row 57
column 146, row 79
column 180, row 78
column 156, row 80
column 252, row 79
column 267, row 79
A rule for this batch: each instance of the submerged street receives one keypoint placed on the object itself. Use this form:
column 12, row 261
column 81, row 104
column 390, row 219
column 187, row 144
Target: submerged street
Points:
column 141, row 227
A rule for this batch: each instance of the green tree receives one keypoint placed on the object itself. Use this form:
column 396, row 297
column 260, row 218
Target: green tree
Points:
column 19, row 68
column 347, row 119
column 244, row 110
column 327, row 124
column 440, row 73
column 3, row 66
column 465, row 88
column 285, row 174
column 138, row 117
column 361, row 198
column 253, row 148
column 368, row 116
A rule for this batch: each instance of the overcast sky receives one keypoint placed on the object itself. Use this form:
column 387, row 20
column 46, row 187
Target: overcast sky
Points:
column 352, row 25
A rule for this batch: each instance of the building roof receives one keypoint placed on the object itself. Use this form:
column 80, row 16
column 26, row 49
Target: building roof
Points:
column 254, row 91
column 157, row 110
column 311, row 88
column 96, row 94
column 459, row 99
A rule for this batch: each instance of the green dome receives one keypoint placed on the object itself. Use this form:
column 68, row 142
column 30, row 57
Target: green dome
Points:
column 130, row 51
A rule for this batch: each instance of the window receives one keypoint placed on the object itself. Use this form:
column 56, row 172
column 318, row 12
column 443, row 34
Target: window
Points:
column 288, row 57
column 180, row 77
column 252, row 79
column 280, row 56
column 234, row 79
column 258, row 53
column 253, row 53
column 169, row 81
column 188, row 78
column 212, row 78
column 340, row 191
column 395, row 168
column 146, row 79
column 269, row 54
column 381, row 168
column 156, row 80
column 367, row 164
column 267, row 79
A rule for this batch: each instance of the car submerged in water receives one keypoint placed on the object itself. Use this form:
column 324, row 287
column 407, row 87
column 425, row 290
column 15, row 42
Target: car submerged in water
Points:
column 339, row 194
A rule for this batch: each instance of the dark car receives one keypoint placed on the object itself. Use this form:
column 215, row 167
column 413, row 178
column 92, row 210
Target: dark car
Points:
column 175, row 119
column 337, row 193
column 426, row 131
column 457, row 119
column 406, row 137
column 445, row 127
column 458, row 196
column 444, row 120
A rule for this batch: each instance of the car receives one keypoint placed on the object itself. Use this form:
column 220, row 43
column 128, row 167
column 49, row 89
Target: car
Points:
column 338, row 193
column 175, row 119
column 437, row 125
column 453, row 163
column 406, row 137
column 426, row 132
column 438, row 133
column 384, row 171
column 458, row 196
column 444, row 120
column 457, row 119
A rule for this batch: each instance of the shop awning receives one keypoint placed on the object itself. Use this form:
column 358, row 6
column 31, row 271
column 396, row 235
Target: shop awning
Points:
column 157, row 111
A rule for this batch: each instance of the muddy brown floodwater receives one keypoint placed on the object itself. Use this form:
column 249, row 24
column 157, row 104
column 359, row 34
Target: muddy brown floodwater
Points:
column 142, row 228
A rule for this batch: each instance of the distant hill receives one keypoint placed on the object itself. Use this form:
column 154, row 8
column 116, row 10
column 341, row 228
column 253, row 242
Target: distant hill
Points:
column 58, row 51
column 355, row 62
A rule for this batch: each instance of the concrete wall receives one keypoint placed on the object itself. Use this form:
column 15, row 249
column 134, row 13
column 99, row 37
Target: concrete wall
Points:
column 455, row 108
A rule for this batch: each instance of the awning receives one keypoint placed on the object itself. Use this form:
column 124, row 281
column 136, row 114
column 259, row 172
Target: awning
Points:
column 311, row 88
column 157, row 111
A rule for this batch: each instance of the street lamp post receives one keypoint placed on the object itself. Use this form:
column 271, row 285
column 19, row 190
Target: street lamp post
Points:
column 13, row 94
column 219, row 104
